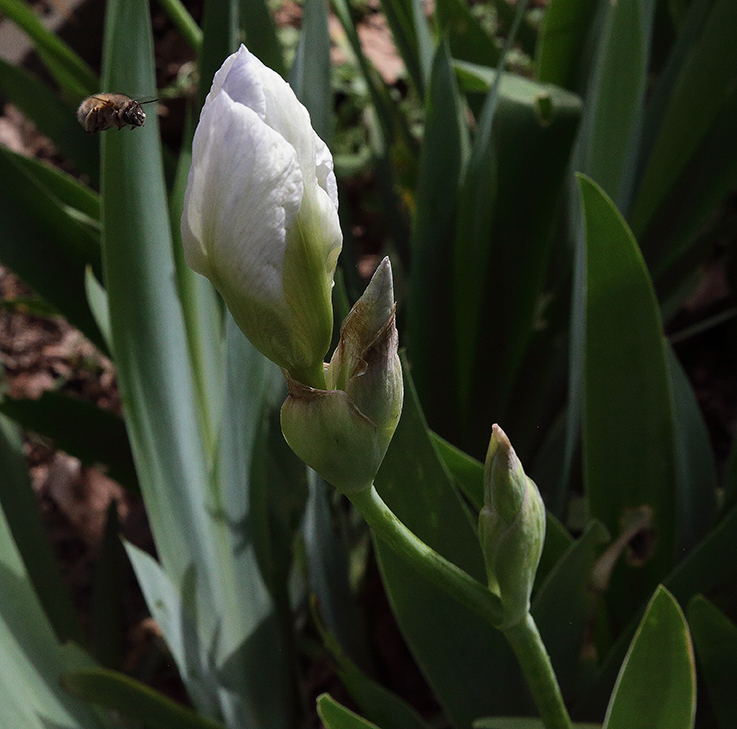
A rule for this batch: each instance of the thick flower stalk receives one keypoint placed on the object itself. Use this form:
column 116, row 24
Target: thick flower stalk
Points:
column 260, row 214
column 343, row 431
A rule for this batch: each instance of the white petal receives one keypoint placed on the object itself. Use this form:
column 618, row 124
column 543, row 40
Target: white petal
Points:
column 324, row 170
column 243, row 80
column 244, row 193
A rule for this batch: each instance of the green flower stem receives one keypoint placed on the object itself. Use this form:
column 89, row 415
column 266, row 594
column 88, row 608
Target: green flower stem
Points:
column 523, row 637
column 534, row 660
column 425, row 560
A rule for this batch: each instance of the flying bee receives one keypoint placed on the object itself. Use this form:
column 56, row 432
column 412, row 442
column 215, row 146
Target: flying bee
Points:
column 104, row 111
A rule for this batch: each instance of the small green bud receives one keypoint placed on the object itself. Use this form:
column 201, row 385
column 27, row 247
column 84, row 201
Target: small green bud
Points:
column 511, row 528
column 343, row 432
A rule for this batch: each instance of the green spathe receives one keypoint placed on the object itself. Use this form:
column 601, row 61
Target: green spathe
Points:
column 511, row 528
column 343, row 432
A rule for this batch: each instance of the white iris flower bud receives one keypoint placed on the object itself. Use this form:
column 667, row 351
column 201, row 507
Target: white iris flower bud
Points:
column 343, row 432
column 260, row 214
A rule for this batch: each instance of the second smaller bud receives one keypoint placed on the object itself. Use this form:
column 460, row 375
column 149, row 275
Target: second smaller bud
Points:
column 511, row 528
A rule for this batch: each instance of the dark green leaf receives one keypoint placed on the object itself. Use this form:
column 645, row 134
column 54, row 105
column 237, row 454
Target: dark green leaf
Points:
column 133, row 699
column 656, row 688
column 335, row 716
column 401, row 23
column 502, row 246
column 466, row 470
column 564, row 606
column 45, row 245
column 97, row 437
column 628, row 432
column 696, row 474
column 67, row 189
column 673, row 240
column 561, row 41
column 610, row 129
column 327, row 560
column 52, row 116
column 379, row 704
column 429, row 320
column 712, row 565
column 468, row 40
column 24, row 522
column 108, row 596
column 459, row 653
column 260, row 34
column 311, row 71
column 32, row 658
column 522, row 723
column 715, row 639
column 707, row 76
column 220, row 39
column 72, row 73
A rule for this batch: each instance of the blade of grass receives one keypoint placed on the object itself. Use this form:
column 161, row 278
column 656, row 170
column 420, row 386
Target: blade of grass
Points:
column 108, row 594
column 560, row 44
column 133, row 699
column 612, row 121
column 310, row 73
column 93, row 435
column 429, row 322
column 65, row 188
column 260, row 34
column 400, row 17
column 468, row 40
column 698, row 95
column 73, row 74
column 715, row 637
column 696, row 472
column 220, row 39
column 22, row 517
column 378, row 703
column 184, row 22
column 31, row 658
column 45, row 246
column 52, row 116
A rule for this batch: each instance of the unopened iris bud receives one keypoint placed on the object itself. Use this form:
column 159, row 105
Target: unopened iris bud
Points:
column 343, row 432
column 511, row 528
column 260, row 214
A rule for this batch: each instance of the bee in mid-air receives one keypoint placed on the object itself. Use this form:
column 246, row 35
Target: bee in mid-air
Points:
column 105, row 111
